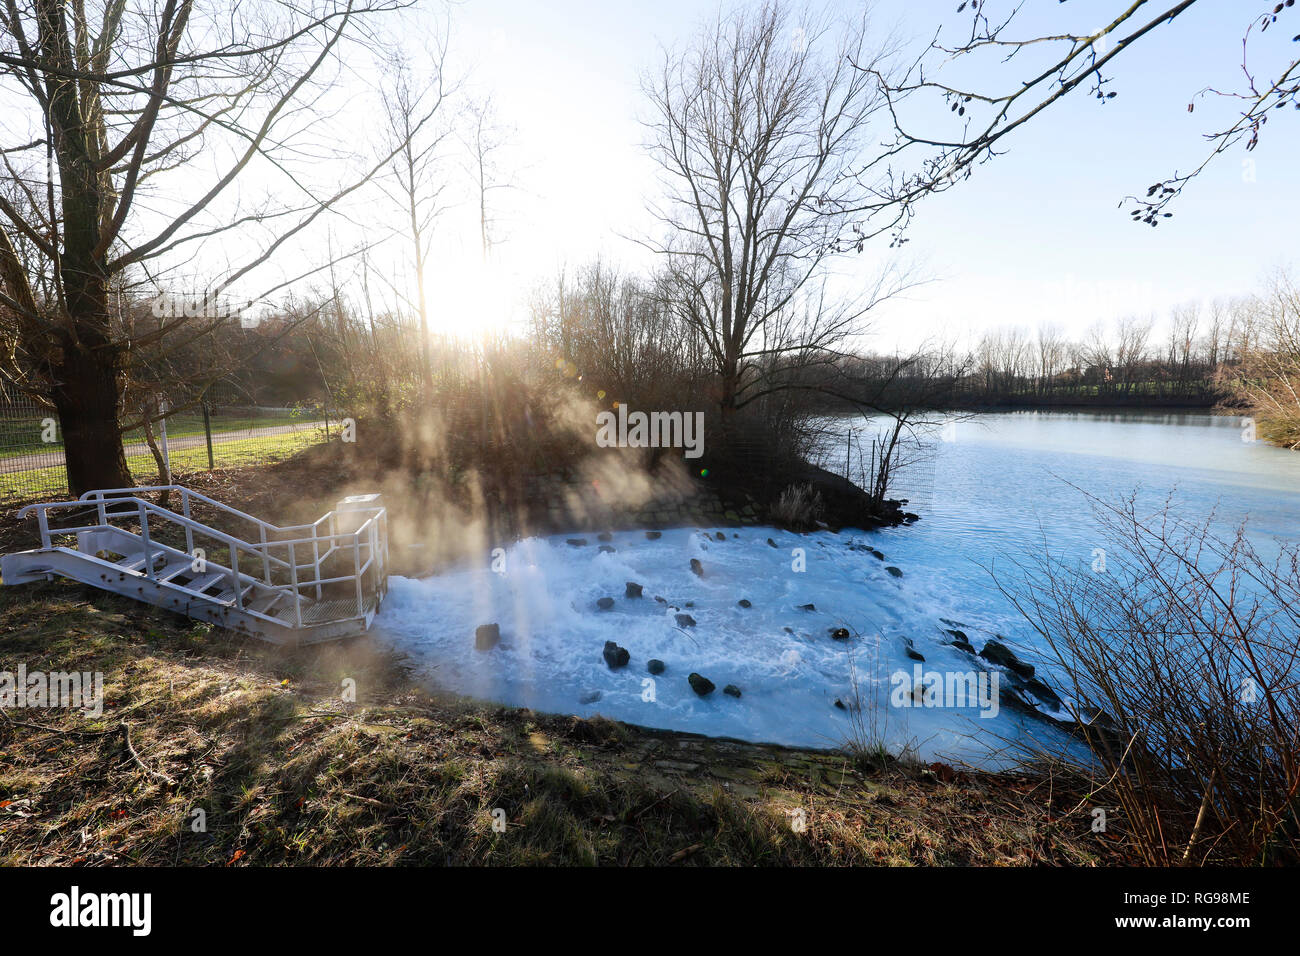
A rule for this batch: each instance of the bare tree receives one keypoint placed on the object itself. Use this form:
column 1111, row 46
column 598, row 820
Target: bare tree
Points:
column 1272, row 362
column 485, row 138
column 415, row 105
column 111, row 105
column 1062, row 62
column 755, row 126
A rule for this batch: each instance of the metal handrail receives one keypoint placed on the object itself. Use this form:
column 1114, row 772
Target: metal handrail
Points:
column 370, row 535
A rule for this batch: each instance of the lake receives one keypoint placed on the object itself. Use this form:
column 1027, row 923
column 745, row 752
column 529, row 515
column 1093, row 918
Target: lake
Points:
column 765, row 614
column 1006, row 486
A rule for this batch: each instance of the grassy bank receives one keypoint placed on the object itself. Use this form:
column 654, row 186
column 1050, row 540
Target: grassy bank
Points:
column 286, row 771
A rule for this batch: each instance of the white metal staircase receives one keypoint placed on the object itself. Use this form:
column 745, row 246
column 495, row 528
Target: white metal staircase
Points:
column 297, row 584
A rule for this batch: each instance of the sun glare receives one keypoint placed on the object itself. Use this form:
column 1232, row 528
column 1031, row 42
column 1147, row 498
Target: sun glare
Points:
column 470, row 298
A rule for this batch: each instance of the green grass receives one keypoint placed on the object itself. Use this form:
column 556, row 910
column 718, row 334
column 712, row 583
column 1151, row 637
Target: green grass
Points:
column 36, row 482
column 23, row 436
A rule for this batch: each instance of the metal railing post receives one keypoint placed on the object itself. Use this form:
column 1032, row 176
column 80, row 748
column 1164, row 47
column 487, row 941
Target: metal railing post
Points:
column 293, row 576
column 144, row 536
column 356, row 568
column 234, row 570
column 266, row 555
column 189, row 530
column 315, row 555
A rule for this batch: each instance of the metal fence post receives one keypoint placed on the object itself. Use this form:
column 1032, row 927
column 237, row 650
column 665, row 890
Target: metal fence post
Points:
column 166, row 450
column 207, row 431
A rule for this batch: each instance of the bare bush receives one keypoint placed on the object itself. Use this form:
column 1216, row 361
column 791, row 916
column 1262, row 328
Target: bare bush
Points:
column 1182, row 657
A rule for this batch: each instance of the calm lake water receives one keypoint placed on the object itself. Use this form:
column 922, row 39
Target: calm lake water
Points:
column 1000, row 488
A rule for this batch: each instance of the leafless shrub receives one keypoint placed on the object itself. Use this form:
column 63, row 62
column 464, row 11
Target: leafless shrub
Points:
column 1182, row 655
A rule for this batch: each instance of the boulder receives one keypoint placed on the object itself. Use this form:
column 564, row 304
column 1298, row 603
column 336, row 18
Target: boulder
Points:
column 684, row 620
column 696, row 567
column 894, row 571
column 655, row 666
column 616, row 656
column 604, row 536
column 605, row 603
column 654, row 535
column 998, row 653
column 1044, row 693
column 731, row 690
column 744, row 603
column 807, row 607
column 590, row 697
column 840, row 633
column 632, row 590
column 701, row 685
column 771, row 542
column 486, row 636
column 607, row 549
column 913, row 654
column 575, row 542
column 720, row 536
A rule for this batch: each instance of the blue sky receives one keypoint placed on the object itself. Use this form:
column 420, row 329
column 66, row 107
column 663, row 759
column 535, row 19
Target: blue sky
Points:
column 1034, row 235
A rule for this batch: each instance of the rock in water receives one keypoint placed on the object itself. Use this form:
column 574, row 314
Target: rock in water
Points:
column 701, row 685
column 1043, row 693
column 575, row 542
column 997, row 653
column 654, row 666
column 744, row 603
column 590, row 697
column 616, row 656
column 914, row 655
column 731, row 690
column 486, row 636
column 807, row 607
column 632, row 590
column 654, row 535
column 607, row 549
column 771, row 542
column 697, row 567
column 685, row 620
column 605, row 603
column 840, row 633
column 604, row 536
column 720, row 536
column 894, row 571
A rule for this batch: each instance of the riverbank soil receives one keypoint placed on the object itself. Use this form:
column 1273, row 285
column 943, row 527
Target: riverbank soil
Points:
column 214, row 750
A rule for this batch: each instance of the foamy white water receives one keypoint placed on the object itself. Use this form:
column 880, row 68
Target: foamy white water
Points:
column 789, row 668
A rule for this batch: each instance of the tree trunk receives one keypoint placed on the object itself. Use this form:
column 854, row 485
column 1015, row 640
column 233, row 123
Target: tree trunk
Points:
column 86, row 397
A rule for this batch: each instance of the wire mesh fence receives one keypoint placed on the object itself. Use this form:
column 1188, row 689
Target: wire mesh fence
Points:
column 205, row 436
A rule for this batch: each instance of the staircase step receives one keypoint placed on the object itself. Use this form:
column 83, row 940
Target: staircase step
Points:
column 175, row 570
column 266, row 601
column 205, row 582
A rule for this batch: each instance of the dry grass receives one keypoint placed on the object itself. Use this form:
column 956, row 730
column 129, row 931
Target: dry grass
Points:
column 286, row 772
